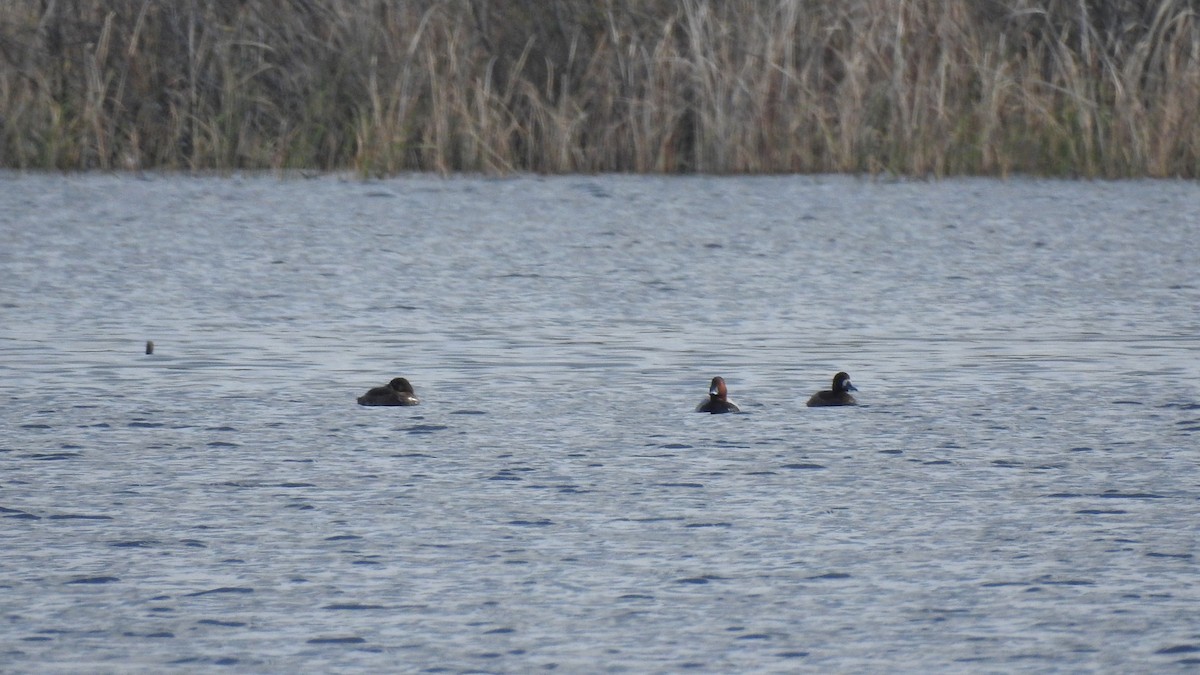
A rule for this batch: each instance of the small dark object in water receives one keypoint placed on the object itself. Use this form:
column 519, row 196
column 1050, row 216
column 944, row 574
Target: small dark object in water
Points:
column 718, row 399
column 149, row 346
column 396, row 392
column 839, row 395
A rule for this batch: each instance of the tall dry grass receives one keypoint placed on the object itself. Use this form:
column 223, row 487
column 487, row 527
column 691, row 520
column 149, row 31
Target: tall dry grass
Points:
column 924, row 87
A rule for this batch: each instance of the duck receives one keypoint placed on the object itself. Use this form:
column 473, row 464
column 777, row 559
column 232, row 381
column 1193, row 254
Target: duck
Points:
column 718, row 399
column 839, row 395
column 397, row 392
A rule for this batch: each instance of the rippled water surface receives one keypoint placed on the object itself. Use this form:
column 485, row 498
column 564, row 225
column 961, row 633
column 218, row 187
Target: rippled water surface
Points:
column 1019, row 490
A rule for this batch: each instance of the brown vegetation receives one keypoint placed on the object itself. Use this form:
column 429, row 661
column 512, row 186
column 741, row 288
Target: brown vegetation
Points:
column 920, row 87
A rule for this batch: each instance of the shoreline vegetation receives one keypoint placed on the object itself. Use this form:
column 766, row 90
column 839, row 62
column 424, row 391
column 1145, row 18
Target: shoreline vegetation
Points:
column 1087, row 88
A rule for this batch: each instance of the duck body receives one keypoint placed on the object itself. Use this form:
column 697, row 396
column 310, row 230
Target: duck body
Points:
column 838, row 395
column 718, row 399
column 397, row 392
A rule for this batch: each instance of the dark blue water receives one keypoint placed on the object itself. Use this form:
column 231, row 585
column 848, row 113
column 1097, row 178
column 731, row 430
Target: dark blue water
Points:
column 1019, row 490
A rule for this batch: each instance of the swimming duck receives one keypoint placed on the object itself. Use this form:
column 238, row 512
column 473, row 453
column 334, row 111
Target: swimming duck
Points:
column 717, row 401
column 839, row 395
column 396, row 392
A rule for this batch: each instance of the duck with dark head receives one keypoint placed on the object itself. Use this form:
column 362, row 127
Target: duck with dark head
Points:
column 718, row 399
column 839, row 395
column 396, row 392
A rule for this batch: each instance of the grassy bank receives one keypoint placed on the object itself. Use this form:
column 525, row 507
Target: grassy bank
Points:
column 1056, row 87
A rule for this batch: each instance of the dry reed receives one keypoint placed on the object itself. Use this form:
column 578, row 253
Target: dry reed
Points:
column 914, row 87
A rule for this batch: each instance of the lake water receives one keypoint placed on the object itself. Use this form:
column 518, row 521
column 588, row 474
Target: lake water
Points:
column 1019, row 490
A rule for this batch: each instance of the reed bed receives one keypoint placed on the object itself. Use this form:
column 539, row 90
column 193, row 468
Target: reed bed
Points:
column 912, row 87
